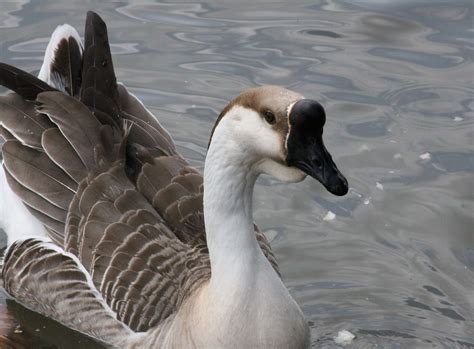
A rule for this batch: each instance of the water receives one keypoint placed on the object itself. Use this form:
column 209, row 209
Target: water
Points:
column 396, row 264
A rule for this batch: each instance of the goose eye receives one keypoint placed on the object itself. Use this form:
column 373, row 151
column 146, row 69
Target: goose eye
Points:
column 269, row 117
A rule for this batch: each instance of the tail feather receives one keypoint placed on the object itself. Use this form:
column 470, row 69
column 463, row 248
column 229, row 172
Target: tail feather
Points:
column 66, row 67
column 53, row 145
column 98, row 76
column 62, row 65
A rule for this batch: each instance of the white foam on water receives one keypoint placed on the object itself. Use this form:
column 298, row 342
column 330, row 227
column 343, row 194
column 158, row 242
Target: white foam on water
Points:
column 344, row 338
column 329, row 216
column 425, row 156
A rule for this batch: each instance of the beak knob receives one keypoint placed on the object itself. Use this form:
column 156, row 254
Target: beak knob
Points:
column 306, row 149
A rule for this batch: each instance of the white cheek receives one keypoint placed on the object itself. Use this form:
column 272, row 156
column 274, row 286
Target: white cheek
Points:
column 269, row 143
column 281, row 172
column 252, row 132
column 257, row 139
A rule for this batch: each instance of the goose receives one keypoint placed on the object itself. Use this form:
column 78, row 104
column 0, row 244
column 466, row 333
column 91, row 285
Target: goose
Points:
column 134, row 247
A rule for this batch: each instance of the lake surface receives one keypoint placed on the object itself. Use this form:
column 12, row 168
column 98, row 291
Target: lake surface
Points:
column 396, row 264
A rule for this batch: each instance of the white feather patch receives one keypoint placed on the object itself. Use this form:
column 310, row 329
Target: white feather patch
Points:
column 61, row 32
column 14, row 217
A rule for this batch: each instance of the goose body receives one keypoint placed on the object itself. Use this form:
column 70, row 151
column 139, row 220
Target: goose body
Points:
column 127, row 242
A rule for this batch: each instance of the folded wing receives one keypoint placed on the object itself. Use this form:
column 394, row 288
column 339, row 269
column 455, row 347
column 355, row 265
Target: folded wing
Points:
column 122, row 208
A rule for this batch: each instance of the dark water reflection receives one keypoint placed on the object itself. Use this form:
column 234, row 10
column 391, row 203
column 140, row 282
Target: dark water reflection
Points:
column 396, row 265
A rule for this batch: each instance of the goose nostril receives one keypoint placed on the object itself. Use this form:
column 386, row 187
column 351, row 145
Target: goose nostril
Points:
column 316, row 162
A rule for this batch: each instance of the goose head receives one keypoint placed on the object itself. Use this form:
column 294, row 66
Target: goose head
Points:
column 280, row 133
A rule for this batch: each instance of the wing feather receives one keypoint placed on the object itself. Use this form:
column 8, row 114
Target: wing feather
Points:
column 20, row 118
column 63, row 154
column 21, row 82
column 78, row 125
column 52, row 282
column 134, row 206
column 134, row 109
column 36, row 201
column 35, row 171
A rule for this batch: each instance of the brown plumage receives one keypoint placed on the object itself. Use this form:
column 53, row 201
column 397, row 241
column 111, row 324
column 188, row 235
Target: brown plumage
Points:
column 99, row 171
column 22, row 120
column 66, row 66
column 26, row 85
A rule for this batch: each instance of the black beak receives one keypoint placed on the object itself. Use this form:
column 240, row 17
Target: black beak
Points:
column 306, row 149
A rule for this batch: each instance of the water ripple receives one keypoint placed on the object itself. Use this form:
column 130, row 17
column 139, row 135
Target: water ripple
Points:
column 421, row 58
column 395, row 265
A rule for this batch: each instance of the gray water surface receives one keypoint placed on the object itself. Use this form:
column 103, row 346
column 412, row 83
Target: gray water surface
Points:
column 396, row 264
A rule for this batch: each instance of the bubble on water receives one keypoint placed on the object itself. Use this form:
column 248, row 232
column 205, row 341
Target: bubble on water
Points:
column 425, row 156
column 329, row 216
column 363, row 147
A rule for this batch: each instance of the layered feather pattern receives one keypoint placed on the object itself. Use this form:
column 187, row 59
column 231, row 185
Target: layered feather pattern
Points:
column 123, row 209
column 66, row 66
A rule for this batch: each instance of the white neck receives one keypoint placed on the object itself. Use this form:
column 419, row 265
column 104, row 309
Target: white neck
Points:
column 229, row 179
column 245, row 304
column 242, row 147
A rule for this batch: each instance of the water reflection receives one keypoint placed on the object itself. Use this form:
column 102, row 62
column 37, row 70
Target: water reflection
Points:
column 395, row 266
